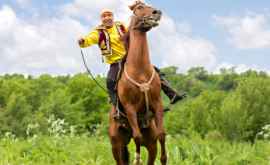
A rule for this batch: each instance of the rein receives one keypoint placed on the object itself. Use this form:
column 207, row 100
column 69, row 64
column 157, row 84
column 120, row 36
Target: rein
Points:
column 90, row 73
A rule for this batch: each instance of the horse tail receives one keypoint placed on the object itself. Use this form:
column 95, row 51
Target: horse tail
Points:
column 125, row 155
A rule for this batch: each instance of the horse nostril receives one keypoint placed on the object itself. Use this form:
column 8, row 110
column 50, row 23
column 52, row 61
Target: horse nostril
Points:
column 156, row 12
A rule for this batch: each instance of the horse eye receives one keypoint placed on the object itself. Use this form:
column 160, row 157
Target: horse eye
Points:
column 140, row 7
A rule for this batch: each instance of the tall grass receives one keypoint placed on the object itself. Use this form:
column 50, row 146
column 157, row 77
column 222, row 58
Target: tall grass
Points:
column 85, row 150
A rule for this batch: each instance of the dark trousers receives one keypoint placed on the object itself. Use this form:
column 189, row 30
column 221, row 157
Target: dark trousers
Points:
column 112, row 81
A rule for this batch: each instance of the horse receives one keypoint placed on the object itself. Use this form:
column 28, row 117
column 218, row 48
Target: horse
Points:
column 139, row 93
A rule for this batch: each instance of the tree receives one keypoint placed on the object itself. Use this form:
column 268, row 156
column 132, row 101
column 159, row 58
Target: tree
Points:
column 16, row 116
column 199, row 73
column 227, row 79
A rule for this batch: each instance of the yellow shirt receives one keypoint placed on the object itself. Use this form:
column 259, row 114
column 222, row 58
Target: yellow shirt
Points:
column 117, row 45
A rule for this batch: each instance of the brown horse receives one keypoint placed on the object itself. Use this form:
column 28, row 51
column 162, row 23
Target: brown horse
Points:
column 139, row 93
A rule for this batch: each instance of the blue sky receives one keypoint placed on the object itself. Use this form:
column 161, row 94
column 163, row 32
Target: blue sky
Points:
column 200, row 15
column 207, row 33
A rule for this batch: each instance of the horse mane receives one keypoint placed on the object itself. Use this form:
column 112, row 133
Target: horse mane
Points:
column 125, row 40
column 126, row 37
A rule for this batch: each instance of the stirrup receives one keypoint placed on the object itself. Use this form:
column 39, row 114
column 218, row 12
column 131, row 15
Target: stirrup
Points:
column 166, row 109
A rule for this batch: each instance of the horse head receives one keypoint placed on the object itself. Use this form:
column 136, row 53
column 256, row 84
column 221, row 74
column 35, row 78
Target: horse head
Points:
column 145, row 17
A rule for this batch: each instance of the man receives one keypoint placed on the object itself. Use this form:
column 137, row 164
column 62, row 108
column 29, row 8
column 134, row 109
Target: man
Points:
column 109, row 36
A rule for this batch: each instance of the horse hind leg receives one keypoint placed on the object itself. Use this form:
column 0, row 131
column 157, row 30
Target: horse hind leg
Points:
column 151, row 142
column 152, row 153
column 119, row 150
column 116, row 150
column 116, row 140
column 138, row 160
column 136, row 133
column 125, row 155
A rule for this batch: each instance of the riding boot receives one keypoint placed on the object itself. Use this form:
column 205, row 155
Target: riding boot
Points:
column 171, row 93
column 113, row 97
column 168, row 90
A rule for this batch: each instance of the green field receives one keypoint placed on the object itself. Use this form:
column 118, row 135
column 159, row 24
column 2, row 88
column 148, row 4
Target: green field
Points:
column 63, row 120
column 84, row 150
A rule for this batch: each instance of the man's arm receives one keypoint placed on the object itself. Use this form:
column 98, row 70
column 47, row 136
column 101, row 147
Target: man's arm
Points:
column 89, row 40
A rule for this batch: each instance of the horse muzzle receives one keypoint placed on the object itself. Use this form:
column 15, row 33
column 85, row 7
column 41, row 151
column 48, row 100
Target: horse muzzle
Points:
column 148, row 22
column 154, row 19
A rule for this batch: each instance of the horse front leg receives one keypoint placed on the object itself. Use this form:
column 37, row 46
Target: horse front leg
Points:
column 132, row 119
column 163, row 157
column 158, row 110
column 161, row 135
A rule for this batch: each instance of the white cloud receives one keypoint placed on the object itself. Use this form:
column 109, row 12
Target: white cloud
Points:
column 239, row 68
column 89, row 10
column 251, row 31
column 184, row 56
column 48, row 45
column 171, row 43
column 8, row 19
column 174, row 46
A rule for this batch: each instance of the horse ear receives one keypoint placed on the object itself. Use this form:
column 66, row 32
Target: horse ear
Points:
column 131, row 7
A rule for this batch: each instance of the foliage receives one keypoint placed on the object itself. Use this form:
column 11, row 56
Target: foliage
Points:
column 226, row 105
column 63, row 119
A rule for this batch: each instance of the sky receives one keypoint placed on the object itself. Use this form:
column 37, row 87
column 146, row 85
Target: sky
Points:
column 38, row 37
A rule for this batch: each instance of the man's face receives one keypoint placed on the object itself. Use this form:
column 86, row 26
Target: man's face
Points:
column 107, row 19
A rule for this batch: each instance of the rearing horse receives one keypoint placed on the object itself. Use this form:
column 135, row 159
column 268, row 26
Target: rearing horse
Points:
column 139, row 92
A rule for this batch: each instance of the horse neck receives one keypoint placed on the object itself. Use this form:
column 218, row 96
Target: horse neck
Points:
column 138, row 54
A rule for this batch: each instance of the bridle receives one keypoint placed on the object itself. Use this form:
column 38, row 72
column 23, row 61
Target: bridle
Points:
column 90, row 73
column 142, row 20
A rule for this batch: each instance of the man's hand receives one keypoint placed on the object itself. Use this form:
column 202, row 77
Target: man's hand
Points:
column 81, row 41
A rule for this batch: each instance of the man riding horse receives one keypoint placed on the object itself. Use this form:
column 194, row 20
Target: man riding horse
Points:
column 109, row 37
column 138, row 90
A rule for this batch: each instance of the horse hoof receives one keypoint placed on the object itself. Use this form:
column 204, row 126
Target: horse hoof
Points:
column 138, row 162
column 138, row 137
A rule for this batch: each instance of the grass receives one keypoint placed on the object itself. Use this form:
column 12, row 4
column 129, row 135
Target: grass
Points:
column 85, row 150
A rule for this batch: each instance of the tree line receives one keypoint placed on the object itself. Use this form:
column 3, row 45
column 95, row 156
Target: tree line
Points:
column 227, row 105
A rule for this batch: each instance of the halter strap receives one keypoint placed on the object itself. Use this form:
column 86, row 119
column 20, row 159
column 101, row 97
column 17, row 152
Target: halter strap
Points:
column 143, row 86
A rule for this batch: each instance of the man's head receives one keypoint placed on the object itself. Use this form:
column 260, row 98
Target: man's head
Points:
column 106, row 16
